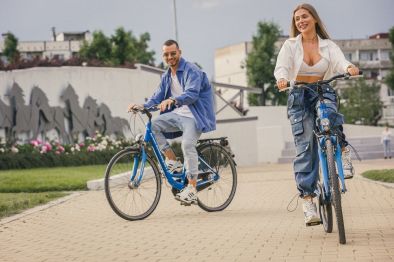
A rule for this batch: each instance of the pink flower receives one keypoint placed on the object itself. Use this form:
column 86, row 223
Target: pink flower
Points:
column 57, row 153
column 48, row 146
column 44, row 149
column 35, row 143
column 91, row 148
column 60, row 148
column 81, row 144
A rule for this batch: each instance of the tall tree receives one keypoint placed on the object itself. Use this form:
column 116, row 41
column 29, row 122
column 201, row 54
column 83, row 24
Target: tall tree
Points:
column 124, row 49
column 120, row 49
column 100, row 48
column 362, row 103
column 142, row 55
column 390, row 77
column 260, row 64
column 11, row 48
column 127, row 48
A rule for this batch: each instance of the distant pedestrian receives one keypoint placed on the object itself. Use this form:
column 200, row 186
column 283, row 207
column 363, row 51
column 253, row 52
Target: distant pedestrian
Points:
column 386, row 139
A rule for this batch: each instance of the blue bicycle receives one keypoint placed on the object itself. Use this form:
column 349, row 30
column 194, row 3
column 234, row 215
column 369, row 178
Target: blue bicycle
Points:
column 133, row 177
column 331, row 181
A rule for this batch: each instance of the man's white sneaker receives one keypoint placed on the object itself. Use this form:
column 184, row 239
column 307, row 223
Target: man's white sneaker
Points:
column 348, row 170
column 174, row 166
column 310, row 213
column 188, row 195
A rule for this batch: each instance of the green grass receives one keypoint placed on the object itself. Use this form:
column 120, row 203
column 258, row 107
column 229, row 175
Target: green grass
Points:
column 14, row 203
column 385, row 175
column 49, row 179
column 25, row 188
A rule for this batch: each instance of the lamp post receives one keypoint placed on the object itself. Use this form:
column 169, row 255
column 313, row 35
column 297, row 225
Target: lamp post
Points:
column 175, row 20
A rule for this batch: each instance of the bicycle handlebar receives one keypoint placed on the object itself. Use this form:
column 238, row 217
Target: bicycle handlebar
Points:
column 291, row 84
column 145, row 110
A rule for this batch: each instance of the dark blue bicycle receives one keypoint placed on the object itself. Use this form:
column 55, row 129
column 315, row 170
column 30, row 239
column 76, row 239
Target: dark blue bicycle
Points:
column 133, row 177
column 331, row 181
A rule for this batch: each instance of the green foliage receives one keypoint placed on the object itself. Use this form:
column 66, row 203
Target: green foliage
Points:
column 94, row 150
column 33, row 160
column 11, row 48
column 122, row 48
column 362, row 103
column 100, row 48
column 260, row 65
column 389, row 79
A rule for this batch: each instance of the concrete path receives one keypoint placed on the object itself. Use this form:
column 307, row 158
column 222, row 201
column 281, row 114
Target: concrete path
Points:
column 255, row 227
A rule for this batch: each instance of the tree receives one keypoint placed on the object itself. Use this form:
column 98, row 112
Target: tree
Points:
column 11, row 48
column 120, row 49
column 362, row 103
column 390, row 77
column 99, row 49
column 142, row 55
column 260, row 64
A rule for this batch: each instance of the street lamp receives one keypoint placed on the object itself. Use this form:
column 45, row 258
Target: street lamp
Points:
column 175, row 20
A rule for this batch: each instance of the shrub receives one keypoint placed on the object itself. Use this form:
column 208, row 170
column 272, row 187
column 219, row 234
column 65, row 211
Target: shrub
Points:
column 94, row 150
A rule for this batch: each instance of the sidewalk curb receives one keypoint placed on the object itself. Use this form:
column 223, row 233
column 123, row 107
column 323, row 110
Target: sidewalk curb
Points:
column 39, row 208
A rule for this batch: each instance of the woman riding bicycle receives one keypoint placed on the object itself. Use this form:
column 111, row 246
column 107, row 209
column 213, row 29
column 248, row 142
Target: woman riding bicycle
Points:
column 309, row 56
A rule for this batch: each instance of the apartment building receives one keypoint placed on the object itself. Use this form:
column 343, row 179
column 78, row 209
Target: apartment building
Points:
column 62, row 46
column 371, row 55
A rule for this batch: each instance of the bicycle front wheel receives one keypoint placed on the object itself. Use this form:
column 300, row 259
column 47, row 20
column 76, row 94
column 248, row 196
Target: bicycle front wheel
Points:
column 219, row 194
column 335, row 194
column 132, row 198
column 325, row 210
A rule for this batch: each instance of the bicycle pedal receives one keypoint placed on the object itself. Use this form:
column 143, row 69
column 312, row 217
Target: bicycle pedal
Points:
column 185, row 204
column 311, row 224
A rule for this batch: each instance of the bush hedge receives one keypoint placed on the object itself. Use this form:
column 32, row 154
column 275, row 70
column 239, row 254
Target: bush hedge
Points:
column 32, row 160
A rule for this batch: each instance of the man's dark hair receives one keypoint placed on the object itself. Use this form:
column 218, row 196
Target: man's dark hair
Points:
column 171, row 42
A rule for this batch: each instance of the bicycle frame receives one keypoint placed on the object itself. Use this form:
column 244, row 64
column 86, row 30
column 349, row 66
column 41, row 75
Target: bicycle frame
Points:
column 324, row 134
column 177, row 181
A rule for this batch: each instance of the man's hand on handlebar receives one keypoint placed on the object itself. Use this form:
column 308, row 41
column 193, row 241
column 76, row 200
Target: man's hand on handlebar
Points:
column 166, row 104
column 134, row 107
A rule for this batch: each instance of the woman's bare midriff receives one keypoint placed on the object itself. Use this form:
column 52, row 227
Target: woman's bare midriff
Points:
column 308, row 79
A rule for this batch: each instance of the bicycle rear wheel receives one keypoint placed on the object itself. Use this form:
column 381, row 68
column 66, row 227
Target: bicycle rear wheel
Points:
column 335, row 194
column 219, row 194
column 130, row 200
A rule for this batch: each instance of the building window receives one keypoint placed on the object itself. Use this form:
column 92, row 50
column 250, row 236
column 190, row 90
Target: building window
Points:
column 374, row 74
column 385, row 55
column 369, row 55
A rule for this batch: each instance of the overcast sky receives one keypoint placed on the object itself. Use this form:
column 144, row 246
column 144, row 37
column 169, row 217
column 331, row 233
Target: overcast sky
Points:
column 203, row 25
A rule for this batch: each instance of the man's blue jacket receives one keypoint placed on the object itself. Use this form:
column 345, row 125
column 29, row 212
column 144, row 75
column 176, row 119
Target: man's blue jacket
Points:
column 197, row 94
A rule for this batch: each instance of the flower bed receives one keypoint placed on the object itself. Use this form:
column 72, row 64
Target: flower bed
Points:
column 94, row 150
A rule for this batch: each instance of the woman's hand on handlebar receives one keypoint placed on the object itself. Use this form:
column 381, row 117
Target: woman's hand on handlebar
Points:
column 281, row 83
column 353, row 70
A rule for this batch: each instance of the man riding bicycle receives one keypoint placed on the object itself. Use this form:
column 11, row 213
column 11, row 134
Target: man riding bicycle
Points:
column 185, row 100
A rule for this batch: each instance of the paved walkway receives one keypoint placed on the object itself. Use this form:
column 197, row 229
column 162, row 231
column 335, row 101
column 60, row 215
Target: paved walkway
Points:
column 255, row 227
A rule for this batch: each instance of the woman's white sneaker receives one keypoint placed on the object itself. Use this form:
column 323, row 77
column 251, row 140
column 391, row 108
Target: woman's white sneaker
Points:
column 310, row 213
